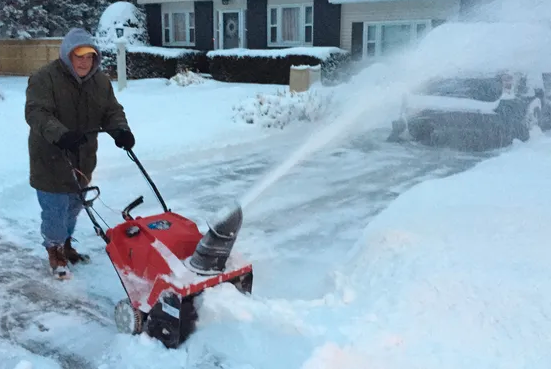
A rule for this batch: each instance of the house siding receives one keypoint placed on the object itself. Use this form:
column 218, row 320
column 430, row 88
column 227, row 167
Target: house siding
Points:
column 186, row 6
column 257, row 24
column 391, row 11
column 153, row 18
column 289, row 2
column 204, row 25
column 327, row 23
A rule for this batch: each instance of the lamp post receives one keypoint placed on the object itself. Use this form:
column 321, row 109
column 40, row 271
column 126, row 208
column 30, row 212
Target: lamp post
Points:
column 120, row 41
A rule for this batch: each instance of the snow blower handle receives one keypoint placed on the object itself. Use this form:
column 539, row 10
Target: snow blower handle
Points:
column 134, row 158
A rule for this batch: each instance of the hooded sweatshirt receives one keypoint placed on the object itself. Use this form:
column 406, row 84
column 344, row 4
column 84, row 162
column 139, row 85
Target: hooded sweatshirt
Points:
column 78, row 37
column 58, row 100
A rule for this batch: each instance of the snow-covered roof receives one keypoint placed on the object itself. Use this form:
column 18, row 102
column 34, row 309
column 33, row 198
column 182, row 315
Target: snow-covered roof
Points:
column 317, row 52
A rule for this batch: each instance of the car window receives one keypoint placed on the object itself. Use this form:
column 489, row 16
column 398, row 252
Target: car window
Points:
column 483, row 89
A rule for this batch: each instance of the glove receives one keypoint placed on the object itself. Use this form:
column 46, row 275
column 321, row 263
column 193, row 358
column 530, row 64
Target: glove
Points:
column 124, row 139
column 71, row 141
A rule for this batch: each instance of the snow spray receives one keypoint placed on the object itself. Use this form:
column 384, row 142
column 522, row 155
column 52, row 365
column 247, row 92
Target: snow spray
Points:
column 371, row 101
column 408, row 70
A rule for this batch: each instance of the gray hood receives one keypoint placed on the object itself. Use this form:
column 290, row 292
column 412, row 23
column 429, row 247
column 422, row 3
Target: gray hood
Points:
column 77, row 37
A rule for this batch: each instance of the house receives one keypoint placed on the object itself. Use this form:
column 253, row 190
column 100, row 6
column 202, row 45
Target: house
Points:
column 253, row 24
column 370, row 29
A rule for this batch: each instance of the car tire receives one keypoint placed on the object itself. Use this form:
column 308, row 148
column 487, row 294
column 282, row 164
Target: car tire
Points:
column 512, row 114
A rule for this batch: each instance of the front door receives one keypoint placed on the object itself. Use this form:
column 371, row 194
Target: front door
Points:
column 230, row 30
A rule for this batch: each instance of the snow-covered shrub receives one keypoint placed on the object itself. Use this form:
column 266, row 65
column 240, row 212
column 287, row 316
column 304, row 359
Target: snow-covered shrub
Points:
column 152, row 61
column 186, row 78
column 286, row 107
column 124, row 14
column 273, row 66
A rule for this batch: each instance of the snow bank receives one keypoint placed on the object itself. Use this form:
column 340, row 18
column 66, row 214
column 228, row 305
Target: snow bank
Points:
column 322, row 53
column 283, row 108
column 454, row 273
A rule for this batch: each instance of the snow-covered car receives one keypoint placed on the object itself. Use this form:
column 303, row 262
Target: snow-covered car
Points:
column 480, row 105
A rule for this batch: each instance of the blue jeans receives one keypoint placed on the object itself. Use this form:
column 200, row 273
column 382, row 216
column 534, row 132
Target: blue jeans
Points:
column 59, row 216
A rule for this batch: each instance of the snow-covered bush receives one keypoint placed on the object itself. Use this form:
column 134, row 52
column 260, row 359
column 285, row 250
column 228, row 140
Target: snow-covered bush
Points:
column 272, row 66
column 153, row 61
column 186, row 78
column 124, row 14
column 286, row 107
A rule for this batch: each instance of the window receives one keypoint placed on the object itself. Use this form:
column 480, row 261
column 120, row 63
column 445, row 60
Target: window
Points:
column 290, row 25
column 382, row 39
column 179, row 28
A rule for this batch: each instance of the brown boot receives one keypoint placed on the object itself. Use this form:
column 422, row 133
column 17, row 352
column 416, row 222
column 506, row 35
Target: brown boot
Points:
column 58, row 262
column 73, row 255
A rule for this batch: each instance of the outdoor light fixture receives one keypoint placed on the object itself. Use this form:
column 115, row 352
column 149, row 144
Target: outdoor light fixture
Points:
column 120, row 30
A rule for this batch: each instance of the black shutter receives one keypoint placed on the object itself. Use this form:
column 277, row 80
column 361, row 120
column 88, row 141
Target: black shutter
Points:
column 154, row 18
column 327, row 23
column 357, row 40
column 257, row 23
column 204, row 31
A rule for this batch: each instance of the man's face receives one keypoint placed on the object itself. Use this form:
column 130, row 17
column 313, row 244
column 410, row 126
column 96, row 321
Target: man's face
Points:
column 82, row 64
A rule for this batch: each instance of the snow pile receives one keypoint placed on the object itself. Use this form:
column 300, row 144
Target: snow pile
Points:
column 284, row 107
column 186, row 78
column 124, row 14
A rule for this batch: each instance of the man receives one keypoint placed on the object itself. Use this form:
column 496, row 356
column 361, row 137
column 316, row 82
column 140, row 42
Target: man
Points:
column 68, row 100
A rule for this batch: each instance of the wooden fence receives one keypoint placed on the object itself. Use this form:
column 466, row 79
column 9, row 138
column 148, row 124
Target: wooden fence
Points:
column 22, row 57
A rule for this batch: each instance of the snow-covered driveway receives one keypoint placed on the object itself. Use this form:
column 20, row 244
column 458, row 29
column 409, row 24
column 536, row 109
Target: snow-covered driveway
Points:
column 298, row 233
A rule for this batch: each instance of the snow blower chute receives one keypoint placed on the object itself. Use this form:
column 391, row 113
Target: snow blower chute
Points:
column 164, row 262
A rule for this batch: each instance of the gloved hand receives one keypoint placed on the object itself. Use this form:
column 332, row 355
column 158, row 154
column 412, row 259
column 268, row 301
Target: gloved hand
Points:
column 71, row 141
column 124, row 139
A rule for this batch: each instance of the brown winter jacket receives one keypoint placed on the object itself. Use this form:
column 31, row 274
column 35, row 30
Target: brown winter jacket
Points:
column 58, row 101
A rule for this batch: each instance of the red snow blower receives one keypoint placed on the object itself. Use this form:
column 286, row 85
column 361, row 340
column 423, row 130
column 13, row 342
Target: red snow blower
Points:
column 164, row 262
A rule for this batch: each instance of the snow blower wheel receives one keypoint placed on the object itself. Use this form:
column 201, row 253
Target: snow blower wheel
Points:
column 128, row 319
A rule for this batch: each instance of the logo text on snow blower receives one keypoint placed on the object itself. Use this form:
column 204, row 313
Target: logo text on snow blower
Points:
column 160, row 225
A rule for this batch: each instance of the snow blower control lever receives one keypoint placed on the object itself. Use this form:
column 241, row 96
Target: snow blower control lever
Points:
column 163, row 262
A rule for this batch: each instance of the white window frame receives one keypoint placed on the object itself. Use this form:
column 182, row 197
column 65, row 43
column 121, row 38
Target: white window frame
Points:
column 414, row 38
column 302, row 32
column 189, row 15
